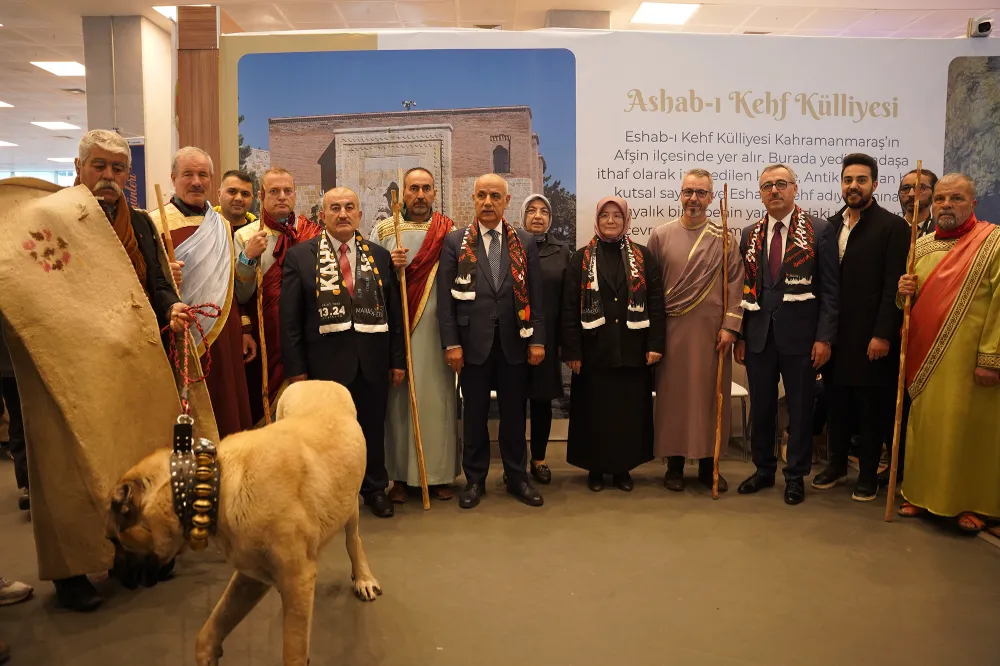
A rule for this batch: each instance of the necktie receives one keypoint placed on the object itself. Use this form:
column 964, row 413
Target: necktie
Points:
column 345, row 268
column 493, row 256
column 776, row 253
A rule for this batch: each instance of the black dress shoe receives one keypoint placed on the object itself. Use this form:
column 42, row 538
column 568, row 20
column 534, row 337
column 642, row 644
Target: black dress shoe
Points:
column 674, row 480
column 470, row 496
column 541, row 472
column 380, row 505
column 833, row 475
column 595, row 482
column 757, row 481
column 24, row 500
column 623, row 482
column 526, row 492
column 865, row 491
column 883, row 478
column 77, row 594
column 795, row 491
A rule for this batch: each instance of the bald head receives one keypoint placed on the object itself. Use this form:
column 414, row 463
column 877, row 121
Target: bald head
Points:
column 954, row 200
column 491, row 198
column 341, row 213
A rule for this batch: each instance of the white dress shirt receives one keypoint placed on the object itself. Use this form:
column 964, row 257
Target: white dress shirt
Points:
column 351, row 251
column 488, row 237
column 771, row 220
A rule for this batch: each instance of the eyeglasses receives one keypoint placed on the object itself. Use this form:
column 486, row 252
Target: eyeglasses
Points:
column 701, row 194
column 617, row 217
column 906, row 189
column 782, row 185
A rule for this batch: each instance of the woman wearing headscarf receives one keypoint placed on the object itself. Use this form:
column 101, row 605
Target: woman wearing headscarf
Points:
column 612, row 333
column 546, row 378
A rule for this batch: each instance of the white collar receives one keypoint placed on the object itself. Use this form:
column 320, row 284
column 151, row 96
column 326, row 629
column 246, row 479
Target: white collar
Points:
column 784, row 221
column 336, row 243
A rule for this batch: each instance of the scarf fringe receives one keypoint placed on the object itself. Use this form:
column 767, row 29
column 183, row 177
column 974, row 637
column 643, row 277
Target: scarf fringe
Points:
column 747, row 305
column 371, row 328
column 527, row 332
column 798, row 297
column 638, row 325
column 588, row 325
column 463, row 295
column 790, row 280
column 334, row 328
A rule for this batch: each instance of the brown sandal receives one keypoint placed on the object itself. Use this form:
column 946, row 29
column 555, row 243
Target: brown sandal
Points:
column 970, row 523
column 908, row 510
column 442, row 492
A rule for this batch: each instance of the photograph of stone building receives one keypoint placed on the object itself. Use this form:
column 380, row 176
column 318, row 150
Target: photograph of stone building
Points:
column 365, row 151
column 360, row 127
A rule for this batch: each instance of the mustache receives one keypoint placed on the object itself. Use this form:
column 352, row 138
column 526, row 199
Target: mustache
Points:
column 108, row 185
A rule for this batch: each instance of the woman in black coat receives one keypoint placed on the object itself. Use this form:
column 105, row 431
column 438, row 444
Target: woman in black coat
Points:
column 613, row 331
column 546, row 378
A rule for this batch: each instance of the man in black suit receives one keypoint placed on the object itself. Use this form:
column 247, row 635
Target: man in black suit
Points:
column 860, row 379
column 490, row 314
column 789, row 322
column 342, row 321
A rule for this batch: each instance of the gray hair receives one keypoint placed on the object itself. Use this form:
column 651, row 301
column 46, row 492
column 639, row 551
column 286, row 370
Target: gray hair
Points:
column 701, row 173
column 105, row 140
column 775, row 167
column 191, row 151
column 960, row 177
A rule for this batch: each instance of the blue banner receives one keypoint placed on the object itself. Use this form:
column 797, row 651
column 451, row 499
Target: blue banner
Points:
column 135, row 188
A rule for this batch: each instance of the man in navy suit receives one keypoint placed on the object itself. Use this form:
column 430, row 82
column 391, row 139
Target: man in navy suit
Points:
column 346, row 326
column 790, row 308
column 492, row 328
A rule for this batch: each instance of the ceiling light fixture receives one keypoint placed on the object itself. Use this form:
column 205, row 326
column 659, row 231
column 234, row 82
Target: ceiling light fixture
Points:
column 59, row 125
column 4, row 144
column 5, row 105
column 62, row 68
column 60, row 159
column 663, row 13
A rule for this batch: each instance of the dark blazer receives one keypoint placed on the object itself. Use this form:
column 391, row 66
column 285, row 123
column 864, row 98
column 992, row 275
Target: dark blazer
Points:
column 797, row 324
column 869, row 276
column 471, row 324
column 546, row 378
column 161, row 293
column 336, row 356
column 614, row 344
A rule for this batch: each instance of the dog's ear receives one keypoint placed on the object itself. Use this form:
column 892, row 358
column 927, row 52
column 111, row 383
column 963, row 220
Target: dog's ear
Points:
column 124, row 507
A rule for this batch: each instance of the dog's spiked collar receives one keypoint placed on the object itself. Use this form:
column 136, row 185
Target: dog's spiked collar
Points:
column 194, row 479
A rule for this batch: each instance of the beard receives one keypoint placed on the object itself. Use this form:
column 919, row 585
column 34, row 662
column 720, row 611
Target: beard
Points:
column 949, row 222
column 863, row 203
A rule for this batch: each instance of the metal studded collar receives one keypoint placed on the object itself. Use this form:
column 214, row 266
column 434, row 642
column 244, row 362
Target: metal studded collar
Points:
column 194, row 479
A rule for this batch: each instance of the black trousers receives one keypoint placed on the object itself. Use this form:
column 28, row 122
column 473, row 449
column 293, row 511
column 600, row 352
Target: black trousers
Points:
column 799, row 378
column 872, row 407
column 371, row 401
column 541, row 427
column 511, row 384
column 18, row 450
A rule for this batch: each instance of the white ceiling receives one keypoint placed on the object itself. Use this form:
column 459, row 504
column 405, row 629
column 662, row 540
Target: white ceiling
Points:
column 43, row 30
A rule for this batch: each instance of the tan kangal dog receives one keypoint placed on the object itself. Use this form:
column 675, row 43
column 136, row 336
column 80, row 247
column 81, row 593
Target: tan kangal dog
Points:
column 284, row 491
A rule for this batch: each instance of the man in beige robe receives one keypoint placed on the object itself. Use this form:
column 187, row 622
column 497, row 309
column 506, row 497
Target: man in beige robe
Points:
column 689, row 251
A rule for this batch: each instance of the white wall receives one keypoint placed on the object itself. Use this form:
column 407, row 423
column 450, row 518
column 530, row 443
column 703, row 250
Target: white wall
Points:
column 158, row 85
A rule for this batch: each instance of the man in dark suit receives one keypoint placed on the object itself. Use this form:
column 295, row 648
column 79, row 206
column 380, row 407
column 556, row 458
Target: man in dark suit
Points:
column 342, row 321
column 789, row 322
column 490, row 314
column 861, row 377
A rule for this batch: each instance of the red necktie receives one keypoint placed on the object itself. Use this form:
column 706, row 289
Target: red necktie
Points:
column 776, row 253
column 345, row 268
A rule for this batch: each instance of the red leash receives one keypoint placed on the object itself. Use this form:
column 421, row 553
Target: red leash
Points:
column 179, row 356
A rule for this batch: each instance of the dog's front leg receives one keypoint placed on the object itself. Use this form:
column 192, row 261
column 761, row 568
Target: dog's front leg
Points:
column 297, row 586
column 240, row 597
column 365, row 586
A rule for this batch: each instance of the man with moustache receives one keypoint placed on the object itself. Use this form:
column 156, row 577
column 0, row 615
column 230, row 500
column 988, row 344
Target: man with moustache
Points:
column 689, row 251
column 910, row 191
column 342, row 321
column 492, row 328
column 260, row 252
column 203, row 241
column 908, row 195
column 424, row 228
column 953, row 364
column 860, row 379
column 790, row 304
column 65, row 476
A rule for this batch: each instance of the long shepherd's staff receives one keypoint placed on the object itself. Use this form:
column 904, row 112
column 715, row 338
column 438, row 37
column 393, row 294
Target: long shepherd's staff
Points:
column 418, row 442
column 720, row 400
column 901, row 382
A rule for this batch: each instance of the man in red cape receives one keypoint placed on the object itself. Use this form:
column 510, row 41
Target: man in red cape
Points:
column 260, row 254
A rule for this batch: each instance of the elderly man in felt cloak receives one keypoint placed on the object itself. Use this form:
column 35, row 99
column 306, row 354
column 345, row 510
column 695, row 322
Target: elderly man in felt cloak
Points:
column 78, row 264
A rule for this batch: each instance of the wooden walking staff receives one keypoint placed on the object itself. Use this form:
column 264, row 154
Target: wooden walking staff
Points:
column 265, row 389
column 167, row 240
column 720, row 400
column 418, row 442
column 901, row 382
